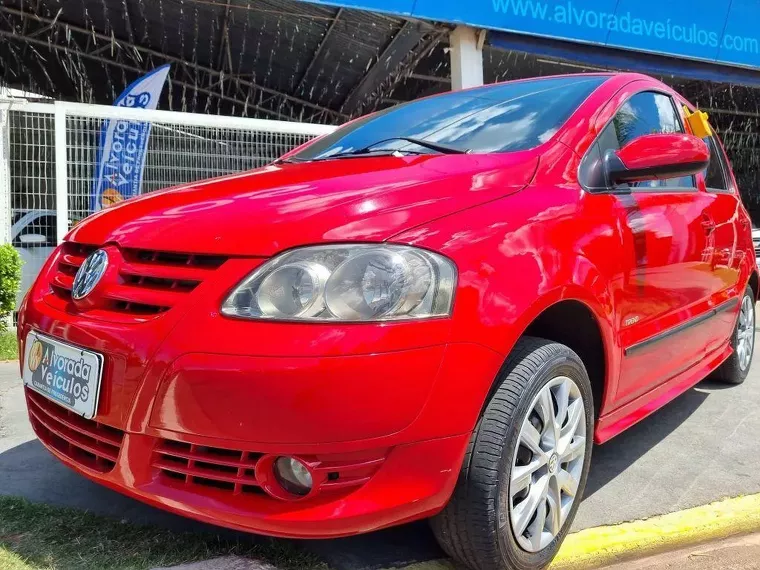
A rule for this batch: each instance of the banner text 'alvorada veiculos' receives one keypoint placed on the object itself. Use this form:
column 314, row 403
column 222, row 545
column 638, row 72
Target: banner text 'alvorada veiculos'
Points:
column 718, row 31
column 123, row 143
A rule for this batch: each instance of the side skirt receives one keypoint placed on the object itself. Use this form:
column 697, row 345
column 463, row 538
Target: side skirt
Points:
column 621, row 419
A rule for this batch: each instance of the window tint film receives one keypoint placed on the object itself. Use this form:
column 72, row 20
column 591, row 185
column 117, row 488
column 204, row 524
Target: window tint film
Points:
column 645, row 114
column 498, row 118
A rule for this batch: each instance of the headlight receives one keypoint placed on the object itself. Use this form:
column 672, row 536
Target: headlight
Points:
column 353, row 283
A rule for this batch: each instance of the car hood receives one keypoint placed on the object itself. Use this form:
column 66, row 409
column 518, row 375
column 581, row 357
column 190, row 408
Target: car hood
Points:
column 279, row 206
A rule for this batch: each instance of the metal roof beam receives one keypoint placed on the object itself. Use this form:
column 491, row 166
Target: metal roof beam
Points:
column 123, row 44
column 133, row 68
column 318, row 51
column 128, row 23
column 223, row 35
column 431, row 78
column 49, row 26
column 388, row 87
column 405, row 40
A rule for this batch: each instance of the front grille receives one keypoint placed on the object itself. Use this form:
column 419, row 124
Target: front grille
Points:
column 225, row 469
column 149, row 282
column 86, row 442
column 234, row 471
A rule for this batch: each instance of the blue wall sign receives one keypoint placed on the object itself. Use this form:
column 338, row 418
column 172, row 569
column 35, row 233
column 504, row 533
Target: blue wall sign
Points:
column 717, row 31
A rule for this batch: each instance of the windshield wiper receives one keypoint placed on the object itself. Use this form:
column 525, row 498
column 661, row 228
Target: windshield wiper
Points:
column 291, row 160
column 438, row 147
column 368, row 150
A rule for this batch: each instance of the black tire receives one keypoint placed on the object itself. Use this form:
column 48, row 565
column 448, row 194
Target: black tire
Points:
column 731, row 371
column 469, row 528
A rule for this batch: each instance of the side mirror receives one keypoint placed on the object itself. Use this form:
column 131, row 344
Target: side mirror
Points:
column 32, row 240
column 656, row 157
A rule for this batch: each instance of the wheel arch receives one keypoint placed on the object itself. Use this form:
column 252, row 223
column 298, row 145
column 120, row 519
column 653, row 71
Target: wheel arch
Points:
column 571, row 320
column 753, row 283
column 573, row 323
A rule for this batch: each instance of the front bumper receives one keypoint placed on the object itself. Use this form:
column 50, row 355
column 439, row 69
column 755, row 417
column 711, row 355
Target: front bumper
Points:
column 412, row 481
column 192, row 402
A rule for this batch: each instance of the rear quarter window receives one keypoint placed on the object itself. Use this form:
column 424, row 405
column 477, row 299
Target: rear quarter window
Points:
column 717, row 172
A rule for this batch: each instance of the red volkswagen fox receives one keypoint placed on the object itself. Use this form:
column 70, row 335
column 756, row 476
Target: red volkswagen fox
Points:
column 433, row 311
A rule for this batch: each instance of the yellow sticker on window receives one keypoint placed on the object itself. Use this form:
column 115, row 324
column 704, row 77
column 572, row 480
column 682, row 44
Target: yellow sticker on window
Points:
column 698, row 122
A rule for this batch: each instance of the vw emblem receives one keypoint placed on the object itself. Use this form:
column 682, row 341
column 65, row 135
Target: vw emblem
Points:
column 89, row 274
column 553, row 464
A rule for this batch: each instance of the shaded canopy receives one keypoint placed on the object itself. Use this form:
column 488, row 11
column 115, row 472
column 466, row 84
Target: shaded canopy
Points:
column 286, row 59
column 281, row 59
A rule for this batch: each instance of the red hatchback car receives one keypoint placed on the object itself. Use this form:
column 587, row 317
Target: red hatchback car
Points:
column 433, row 311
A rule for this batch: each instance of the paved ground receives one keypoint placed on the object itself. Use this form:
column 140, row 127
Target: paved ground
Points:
column 702, row 447
column 740, row 553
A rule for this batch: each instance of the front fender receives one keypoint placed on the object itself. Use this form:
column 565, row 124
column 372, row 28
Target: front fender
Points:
column 519, row 256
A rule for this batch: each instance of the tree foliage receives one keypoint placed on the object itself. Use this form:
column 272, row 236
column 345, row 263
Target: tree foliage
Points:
column 10, row 278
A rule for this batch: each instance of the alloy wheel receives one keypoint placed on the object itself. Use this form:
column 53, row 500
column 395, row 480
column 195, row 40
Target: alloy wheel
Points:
column 746, row 332
column 548, row 464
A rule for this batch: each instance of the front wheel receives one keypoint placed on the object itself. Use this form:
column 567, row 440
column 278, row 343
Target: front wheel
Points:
column 526, row 466
column 736, row 368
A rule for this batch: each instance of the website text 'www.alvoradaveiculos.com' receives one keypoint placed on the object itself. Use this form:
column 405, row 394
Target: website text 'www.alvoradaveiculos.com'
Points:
column 625, row 23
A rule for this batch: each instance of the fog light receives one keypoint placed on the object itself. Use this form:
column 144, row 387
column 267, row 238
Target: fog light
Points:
column 293, row 475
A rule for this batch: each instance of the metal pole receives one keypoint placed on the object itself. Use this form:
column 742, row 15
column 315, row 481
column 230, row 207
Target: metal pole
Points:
column 61, row 173
column 5, row 175
column 466, row 58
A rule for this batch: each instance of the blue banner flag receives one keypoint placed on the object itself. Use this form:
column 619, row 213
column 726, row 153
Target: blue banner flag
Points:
column 121, row 154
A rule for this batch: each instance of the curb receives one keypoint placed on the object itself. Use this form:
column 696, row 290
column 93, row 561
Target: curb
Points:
column 604, row 545
column 594, row 547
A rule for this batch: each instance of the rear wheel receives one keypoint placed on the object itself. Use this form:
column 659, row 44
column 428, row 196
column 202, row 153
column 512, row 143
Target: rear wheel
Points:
column 526, row 466
column 736, row 368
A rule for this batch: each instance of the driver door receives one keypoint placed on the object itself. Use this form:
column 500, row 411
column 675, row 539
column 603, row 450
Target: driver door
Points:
column 666, row 275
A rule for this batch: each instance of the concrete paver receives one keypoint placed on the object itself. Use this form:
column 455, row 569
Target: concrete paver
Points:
column 700, row 448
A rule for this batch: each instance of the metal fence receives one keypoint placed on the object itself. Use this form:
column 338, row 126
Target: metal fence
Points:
column 48, row 154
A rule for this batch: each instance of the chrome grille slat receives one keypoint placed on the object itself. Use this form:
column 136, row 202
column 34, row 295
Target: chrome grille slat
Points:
column 147, row 282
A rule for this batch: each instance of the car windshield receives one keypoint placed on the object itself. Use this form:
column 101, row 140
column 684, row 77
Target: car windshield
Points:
column 498, row 118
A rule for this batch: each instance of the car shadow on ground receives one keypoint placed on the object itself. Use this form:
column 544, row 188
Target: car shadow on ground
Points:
column 29, row 471
column 614, row 457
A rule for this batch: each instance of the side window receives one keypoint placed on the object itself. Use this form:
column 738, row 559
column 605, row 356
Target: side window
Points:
column 716, row 174
column 644, row 114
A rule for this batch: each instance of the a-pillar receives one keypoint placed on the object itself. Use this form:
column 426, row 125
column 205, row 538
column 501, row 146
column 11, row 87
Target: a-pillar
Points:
column 466, row 57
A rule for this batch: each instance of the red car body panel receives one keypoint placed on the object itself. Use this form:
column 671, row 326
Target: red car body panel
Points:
column 641, row 151
column 364, row 200
column 383, row 412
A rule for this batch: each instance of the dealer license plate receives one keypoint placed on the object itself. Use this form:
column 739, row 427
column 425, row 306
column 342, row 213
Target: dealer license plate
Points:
column 66, row 374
